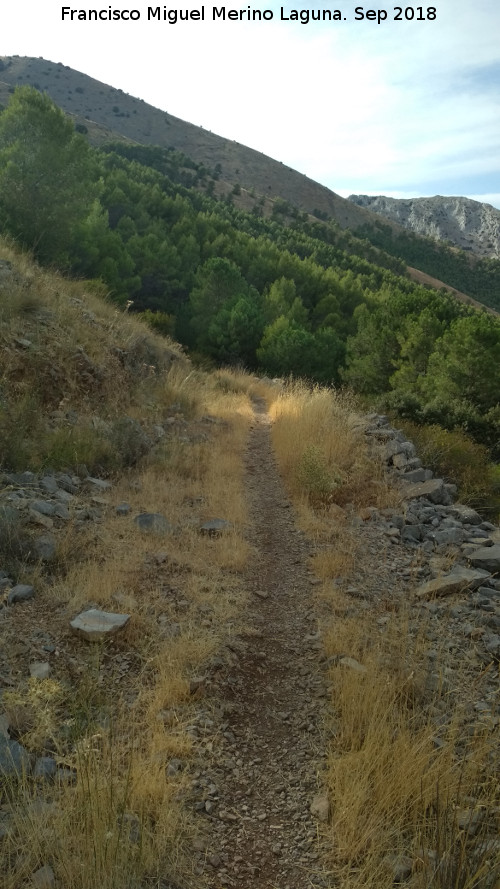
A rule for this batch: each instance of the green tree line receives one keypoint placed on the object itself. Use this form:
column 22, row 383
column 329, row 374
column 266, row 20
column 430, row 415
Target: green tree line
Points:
column 300, row 298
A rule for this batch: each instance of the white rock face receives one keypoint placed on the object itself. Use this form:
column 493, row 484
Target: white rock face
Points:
column 95, row 625
column 468, row 224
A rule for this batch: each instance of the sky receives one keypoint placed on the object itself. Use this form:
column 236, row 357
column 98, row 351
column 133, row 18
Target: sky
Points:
column 364, row 105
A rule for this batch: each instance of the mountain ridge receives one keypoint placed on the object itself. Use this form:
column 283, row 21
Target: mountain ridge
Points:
column 470, row 225
column 90, row 100
column 258, row 182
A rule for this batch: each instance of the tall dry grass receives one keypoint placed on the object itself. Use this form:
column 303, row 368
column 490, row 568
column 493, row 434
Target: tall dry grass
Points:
column 319, row 441
column 405, row 808
column 398, row 794
column 117, row 716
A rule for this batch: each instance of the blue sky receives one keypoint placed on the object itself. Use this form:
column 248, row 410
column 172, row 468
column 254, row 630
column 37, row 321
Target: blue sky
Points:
column 402, row 108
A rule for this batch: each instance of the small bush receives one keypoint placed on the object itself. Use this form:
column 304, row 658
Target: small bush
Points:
column 315, row 476
column 129, row 441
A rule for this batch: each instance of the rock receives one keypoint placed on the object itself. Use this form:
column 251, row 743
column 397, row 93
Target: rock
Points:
column 39, row 670
column 49, row 484
column 400, row 866
column 153, row 523
column 412, row 534
column 320, row 807
column 14, row 759
column 466, row 514
column 98, row 483
column 123, row 509
column 352, row 664
column 416, row 475
column 45, row 768
column 434, row 490
column 65, row 482
column 44, row 878
column 39, row 519
column 20, row 593
column 459, row 579
column 215, row 527
column 45, row 547
column 447, row 537
column 96, row 625
column 487, row 557
column 45, row 507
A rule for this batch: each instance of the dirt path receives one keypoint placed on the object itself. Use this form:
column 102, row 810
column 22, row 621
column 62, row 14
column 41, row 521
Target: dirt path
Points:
column 257, row 796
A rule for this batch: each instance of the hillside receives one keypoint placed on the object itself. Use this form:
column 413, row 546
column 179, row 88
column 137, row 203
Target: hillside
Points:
column 467, row 224
column 247, row 638
column 90, row 100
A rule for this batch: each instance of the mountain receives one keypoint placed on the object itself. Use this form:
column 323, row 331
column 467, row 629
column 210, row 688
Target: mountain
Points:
column 257, row 183
column 467, row 224
column 115, row 112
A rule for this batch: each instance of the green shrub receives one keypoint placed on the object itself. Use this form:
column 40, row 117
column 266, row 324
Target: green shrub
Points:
column 315, row 476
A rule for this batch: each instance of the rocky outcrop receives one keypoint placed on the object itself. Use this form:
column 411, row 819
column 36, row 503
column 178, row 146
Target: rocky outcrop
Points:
column 468, row 224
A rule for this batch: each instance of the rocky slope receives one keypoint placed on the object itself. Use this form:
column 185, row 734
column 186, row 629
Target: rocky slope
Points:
column 467, row 224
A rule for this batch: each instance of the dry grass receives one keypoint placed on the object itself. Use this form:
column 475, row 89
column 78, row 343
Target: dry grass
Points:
column 116, row 714
column 394, row 791
column 396, row 794
column 319, row 441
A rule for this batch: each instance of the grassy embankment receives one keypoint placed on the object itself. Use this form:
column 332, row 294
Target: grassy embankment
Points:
column 113, row 714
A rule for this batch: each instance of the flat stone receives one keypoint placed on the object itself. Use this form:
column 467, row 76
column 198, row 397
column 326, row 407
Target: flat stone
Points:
column 415, row 475
column 352, row 664
column 45, row 507
column 39, row 519
column 153, row 523
column 20, row 593
column 14, row 759
column 459, row 579
column 40, row 670
column 447, row 537
column 99, row 483
column 433, row 490
column 487, row 557
column 44, row 878
column 320, row 807
column 96, row 625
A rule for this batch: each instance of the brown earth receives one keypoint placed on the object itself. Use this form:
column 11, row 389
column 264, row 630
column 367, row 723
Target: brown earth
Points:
column 260, row 832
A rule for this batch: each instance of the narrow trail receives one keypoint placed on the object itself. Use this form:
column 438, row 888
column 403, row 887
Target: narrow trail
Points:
column 263, row 835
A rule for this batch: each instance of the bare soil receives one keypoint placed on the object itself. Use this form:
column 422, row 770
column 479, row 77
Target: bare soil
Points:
column 259, row 789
